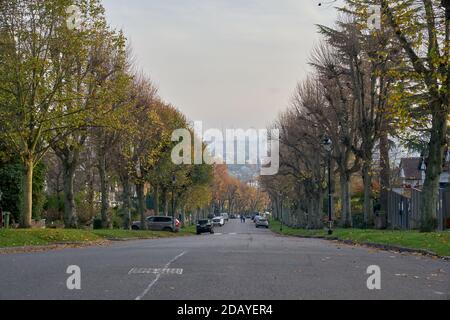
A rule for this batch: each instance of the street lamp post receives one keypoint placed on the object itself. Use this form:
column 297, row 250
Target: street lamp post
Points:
column 328, row 145
column 174, row 181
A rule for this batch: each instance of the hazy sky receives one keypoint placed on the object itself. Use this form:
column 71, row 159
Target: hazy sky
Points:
column 229, row 63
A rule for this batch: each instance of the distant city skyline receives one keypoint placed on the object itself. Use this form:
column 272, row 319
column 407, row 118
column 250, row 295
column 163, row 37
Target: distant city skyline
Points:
column 228, row 63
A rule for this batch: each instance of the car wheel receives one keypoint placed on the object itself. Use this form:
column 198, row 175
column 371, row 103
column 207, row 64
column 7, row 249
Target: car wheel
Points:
column 167, row 229
column 135, row 228
column 211, row 232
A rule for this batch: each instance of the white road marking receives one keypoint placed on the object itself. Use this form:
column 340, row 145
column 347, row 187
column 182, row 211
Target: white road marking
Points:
column 155, row 271
column 149, row 287
column 227, row 234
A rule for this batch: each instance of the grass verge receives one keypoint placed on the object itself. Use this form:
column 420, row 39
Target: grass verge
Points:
column 436, row 242
column 42, row 237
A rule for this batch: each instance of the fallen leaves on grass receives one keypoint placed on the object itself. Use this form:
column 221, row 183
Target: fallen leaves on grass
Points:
column 36, row 249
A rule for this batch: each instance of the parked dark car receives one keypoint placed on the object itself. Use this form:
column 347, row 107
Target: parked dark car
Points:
column 204, row 226
column 158, row 224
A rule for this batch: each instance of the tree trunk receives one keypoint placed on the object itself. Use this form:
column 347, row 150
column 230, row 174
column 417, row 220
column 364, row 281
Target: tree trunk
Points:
column 314, row 215
column 166, row 203
column 70, row 216
column 104, row 186
column 368, row 200
column 28, row 195
column 127, row 202
column 141, row 202
column 385, row 174
column 346, row 208
column 276, row 208
column 434, row 164
column 310, row 212
column 91, row 190
column 320, row 211
column 156, row 192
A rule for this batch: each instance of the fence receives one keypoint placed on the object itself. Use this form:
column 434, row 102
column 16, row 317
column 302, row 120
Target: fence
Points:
column 399, row 207
column 416, row 199
column 444, row 209
column 404, row 209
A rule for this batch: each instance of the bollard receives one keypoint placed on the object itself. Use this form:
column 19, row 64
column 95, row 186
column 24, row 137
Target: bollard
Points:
column 7, row 214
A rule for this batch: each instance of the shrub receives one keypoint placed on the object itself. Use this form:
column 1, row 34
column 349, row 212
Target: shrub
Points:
column 97, row 225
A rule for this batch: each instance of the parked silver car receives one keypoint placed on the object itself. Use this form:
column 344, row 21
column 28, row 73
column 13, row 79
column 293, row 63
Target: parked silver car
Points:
column 158, row 224
column 262, row 222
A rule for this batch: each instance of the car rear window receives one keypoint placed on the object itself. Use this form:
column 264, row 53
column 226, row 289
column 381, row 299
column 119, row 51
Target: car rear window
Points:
column 203, row 221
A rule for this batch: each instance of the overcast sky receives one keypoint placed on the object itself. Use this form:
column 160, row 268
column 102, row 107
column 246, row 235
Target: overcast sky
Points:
column 228, row 63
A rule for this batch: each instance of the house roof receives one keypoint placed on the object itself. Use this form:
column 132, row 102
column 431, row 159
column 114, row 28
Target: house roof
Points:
column 410, row 167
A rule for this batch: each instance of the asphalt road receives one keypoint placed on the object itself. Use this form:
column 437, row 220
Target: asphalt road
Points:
column 238, row 262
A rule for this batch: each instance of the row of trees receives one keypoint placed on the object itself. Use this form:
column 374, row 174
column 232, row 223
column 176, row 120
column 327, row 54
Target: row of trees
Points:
column 367, row 87
column 234, row 196
column 71, row 101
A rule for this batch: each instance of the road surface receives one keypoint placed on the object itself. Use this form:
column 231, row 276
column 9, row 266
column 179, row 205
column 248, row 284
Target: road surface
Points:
column 238, row 262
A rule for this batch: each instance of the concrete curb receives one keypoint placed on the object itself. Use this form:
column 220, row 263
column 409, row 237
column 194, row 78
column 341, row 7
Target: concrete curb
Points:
column 384, row 247
column 130, row 239
column 65, row 245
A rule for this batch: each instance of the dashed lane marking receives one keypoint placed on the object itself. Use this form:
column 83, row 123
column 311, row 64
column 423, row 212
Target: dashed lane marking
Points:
column 155, row 271
column 151, row 284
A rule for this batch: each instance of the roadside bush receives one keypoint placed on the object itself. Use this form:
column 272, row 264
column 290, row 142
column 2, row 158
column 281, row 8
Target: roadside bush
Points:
column 85, row 211
column 117, row 218
column 11, row 179
column 97, row 225
column 53, row 208
column 358, row 221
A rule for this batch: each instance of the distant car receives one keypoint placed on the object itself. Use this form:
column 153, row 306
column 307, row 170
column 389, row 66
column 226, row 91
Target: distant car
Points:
column 262, row 222
column 225, row 217
column 218, row 221
column 204, row 226
column 233, row 216
column 158, row 223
